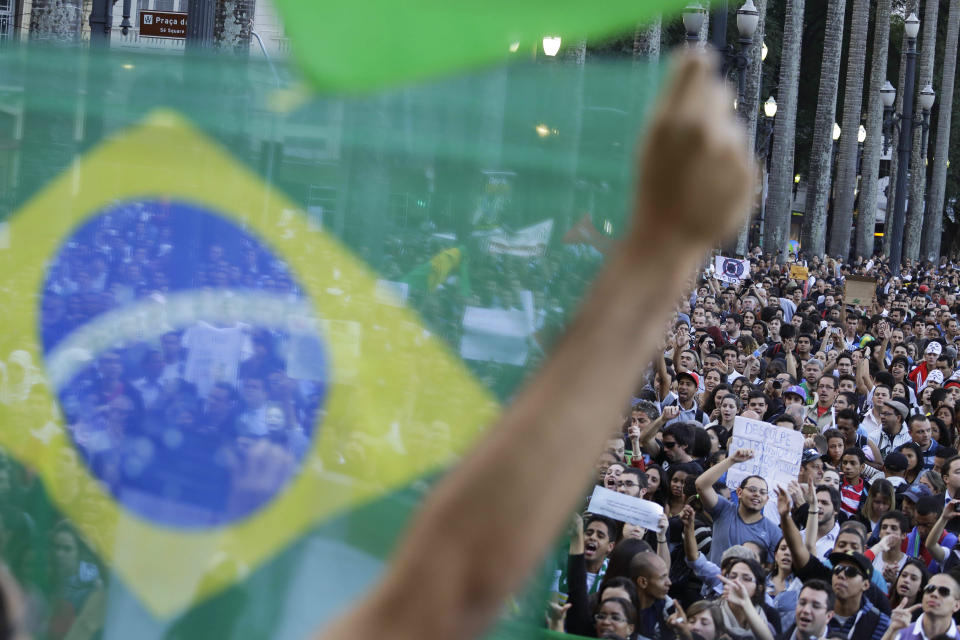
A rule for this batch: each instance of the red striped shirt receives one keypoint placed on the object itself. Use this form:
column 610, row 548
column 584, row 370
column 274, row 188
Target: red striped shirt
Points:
column 850, row 496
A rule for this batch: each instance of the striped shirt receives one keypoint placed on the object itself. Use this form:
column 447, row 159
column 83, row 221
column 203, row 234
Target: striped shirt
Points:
column 851, row 495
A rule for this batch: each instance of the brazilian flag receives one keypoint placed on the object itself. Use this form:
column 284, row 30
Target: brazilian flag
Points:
column 221, row 399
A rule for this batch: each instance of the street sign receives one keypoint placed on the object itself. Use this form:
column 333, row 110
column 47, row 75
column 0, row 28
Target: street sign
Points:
column 163, row 24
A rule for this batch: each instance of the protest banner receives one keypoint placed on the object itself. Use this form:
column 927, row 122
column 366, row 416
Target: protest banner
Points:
column 776, row 456
column 799, row 273
column 731, row 270
column 860, row 290
column 624, row 508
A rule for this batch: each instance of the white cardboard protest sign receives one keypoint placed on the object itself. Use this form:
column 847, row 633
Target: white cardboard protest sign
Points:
column 624, row 508
column 776, row 456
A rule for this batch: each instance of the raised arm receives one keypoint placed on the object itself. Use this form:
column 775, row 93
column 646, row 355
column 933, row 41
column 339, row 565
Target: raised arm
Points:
column 695, row 186
column 800, row 554
column 813, row 527
column 690, row 549
column 937, row 550
column 648, row 438
column 864, row 381
column 791, row 361
column 708, row 496
column 664, row 387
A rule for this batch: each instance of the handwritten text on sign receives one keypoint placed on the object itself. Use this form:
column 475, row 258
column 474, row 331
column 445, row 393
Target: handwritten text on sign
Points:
column 624, row 508
column 776, row 452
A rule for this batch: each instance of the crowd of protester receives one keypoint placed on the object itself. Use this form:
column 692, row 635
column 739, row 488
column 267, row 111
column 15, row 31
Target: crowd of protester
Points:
column 862, row 545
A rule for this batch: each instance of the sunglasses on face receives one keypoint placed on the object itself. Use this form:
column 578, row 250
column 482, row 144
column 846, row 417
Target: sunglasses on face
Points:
column 848, row 570
column 942, row 591
column 669, row 445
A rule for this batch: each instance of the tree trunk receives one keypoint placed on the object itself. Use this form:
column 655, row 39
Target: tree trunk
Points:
column 912, row 6
column 751, row 108
column 870, row 165
column 933, row 220
column 646, row 40
column 814, row 228
column 847, row 160
column 705, row 27
column 918, row 159
column 232, row 25
column 59, row 21
column 777, row 230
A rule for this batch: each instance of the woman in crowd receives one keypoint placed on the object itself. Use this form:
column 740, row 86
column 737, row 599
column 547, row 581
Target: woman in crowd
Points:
column 656, row 489
column 880, row 499
column 606, row 459
column 782, row 585
column 712, row 406
column 932, row 480
column 742, row 603
column 676, row 477
column 831, row 478
column 615, row 615
column 75, row 580
column 939, row 422
column 612, row 475
column 711, row 379
column 706, row 620
column 906, row 589
column 914, row 460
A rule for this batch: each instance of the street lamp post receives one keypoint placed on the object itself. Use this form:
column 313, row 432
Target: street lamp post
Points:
column 747, row 20
column 906, row 123
column 693, row 22
column 764, row 134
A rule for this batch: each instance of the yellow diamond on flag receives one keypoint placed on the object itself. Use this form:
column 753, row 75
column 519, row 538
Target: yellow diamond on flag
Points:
column 222, row 448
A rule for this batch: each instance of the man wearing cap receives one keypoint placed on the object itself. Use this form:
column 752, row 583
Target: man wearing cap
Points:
column 811, row 468
column 686, row 399
column 912, row 496
column 854, row 616
column 919, row 375
column 952, row 387
column 934, row 380
column 894, row 468
column 795, row 394
column 807, row 566
column 892, row 432
column 939, row 602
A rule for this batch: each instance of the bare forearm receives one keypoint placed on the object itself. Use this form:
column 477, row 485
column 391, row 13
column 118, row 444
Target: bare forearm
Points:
column 757, row 624
column 800, row 554
column 663, row 550
column 561, row 415
column 690, row 549
column 812, row 530
column 651, row 430
column 705, row 482
column 933, row 540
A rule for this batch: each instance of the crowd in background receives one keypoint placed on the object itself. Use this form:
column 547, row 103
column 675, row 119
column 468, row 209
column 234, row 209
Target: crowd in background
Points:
column 863, row 544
